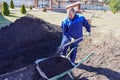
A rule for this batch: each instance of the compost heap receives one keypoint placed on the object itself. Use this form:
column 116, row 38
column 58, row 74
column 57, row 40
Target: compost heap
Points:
column 26, row 40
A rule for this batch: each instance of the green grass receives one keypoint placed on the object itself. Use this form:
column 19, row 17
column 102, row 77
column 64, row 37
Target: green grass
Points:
column 51, row 17
column 4, row 21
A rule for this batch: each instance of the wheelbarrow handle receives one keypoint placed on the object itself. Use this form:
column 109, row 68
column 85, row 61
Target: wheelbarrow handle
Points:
column 67, row 44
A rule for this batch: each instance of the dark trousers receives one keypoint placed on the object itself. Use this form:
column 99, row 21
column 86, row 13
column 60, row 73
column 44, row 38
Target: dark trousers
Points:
column 71, row 46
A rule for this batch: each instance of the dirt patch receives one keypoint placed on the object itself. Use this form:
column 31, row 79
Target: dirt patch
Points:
column 26, row 40
column 104, row 64
column 55, row 66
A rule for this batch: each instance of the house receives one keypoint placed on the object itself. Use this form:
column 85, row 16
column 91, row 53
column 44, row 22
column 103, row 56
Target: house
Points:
column 59, row 4
column 94, row 5
column 18, row 3
column 76, row 6
column 53, row 4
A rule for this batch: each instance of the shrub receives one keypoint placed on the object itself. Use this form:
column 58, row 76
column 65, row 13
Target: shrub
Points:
column 115, row 5
column 5, row 9
column 23, row 9
column 44, row 9
column 11, row 4
column 31, row 7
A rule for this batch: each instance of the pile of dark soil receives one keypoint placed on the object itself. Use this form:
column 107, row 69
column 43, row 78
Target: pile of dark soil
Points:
column 26, row 73
column 26, row 40
column 54, row 66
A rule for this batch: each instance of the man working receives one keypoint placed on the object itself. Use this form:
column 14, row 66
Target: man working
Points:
column 72, row 27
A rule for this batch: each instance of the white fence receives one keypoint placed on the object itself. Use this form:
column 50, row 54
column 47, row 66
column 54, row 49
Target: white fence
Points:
column 18, row 3
column 94, row 7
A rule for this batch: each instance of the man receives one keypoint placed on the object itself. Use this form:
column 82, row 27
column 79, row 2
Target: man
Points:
column 72, row 27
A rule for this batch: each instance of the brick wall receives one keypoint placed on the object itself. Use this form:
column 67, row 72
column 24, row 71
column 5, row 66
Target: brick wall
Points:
column 35, row 3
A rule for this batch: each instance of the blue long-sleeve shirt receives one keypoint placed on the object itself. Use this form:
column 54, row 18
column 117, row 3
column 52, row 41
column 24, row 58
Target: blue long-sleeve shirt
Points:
column 74, row 28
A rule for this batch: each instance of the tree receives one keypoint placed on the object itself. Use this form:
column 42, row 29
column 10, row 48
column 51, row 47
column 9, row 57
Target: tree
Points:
column 5, row 9
column 31, row 7
column 44, row 9
column 11, row 4
column 106, row 1
column 114, row 5
column 23, row 9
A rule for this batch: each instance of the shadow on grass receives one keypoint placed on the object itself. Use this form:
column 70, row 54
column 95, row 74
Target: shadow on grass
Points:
column 110, row 74
column 93, row 26
column 4, row 21
column 13, row 16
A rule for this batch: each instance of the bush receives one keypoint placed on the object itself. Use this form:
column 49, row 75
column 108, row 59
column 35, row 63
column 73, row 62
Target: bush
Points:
column 31, row 7
column 5, row 9
column 23, row 9
column 44, row 9
column 115, row 5
column 11, row 4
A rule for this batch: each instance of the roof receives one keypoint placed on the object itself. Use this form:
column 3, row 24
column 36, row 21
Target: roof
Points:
column 74, row 4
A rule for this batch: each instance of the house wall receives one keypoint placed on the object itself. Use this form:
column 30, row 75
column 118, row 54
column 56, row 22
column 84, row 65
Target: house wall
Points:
column 94, row 6
column 17, row 3
column 61, row 4
column 53, row 4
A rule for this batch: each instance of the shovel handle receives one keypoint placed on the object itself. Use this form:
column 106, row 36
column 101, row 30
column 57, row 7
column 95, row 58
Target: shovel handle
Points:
column 71, row 42
column 62, row 47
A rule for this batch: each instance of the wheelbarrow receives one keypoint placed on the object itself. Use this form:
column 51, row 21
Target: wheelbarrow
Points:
column 61, row 74
column 55, row 77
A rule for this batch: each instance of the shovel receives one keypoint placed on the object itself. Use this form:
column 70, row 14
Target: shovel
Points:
column 60, row 49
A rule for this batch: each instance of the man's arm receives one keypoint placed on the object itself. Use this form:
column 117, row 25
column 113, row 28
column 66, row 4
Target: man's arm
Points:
column 65, row 30
column 86, row 25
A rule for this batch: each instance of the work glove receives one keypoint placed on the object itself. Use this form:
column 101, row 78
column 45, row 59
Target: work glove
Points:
column 72, row 39
column 88, row 34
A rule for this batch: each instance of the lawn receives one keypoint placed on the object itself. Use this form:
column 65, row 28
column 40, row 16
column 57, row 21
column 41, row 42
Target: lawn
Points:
column 4, row 21
column 51, row 17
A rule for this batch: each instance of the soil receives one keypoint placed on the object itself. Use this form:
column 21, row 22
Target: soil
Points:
column 54, row 66
column 26, row 40
column 26, row 73
column 105, row 63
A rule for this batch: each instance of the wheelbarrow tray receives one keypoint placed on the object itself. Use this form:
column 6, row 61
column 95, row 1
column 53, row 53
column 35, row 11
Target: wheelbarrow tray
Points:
column 57, row 76
column 53, row 66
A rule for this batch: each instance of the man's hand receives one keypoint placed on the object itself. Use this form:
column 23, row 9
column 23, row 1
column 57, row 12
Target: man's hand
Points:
column 90, row 38
column 72, row 40
column 89, row 33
